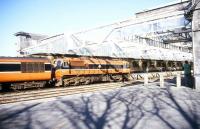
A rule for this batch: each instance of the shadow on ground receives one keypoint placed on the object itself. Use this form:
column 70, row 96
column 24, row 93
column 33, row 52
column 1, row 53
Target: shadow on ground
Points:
column 125, row 108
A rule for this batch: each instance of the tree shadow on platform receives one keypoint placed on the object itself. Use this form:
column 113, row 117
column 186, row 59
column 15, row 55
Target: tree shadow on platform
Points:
column 124, row 108
column 189, row 116
column 132, row 110
column 182, row 106
column 86, row 114
column 16, row 119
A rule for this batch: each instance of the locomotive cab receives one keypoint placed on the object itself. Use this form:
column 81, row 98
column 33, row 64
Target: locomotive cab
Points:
column 58, row 63
column 61, row 64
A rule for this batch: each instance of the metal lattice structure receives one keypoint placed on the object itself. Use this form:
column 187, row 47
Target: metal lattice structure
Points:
column 149, row 35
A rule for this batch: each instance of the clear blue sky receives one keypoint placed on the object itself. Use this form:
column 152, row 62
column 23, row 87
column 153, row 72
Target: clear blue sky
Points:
column 56, row 16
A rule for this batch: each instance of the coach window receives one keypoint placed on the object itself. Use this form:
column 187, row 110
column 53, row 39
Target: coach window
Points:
column 179, row 64
column 128, row 66
column 135, row 64
column 65, row 65
column 99, row 66
column 125, row 66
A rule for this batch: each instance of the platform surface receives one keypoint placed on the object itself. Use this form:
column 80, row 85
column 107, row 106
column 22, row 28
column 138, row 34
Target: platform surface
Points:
column 133, row 107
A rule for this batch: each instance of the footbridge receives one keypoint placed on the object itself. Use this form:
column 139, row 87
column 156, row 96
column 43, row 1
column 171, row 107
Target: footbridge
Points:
column 161, row 33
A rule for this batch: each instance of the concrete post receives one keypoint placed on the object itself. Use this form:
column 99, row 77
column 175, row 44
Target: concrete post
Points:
column 145, row 79
column 161, row 80
column 178, row 79
column 196, row 42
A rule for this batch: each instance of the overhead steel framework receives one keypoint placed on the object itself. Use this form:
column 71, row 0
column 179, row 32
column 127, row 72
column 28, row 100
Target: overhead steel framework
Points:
column 194, row 12
column 149, row 35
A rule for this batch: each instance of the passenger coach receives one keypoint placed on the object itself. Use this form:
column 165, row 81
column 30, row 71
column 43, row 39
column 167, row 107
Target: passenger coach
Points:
column 15, row 72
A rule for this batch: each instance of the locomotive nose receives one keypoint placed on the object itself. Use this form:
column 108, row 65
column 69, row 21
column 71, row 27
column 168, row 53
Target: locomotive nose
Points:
column 58, row 74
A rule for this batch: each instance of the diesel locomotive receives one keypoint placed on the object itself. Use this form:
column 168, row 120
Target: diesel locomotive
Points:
column 29, row 72
column 75, row 71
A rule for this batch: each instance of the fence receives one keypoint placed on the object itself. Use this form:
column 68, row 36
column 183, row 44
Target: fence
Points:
column 160, row 76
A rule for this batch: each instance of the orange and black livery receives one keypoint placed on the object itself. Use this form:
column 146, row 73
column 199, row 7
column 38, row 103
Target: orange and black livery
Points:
column 29, row 72
column 18, row 70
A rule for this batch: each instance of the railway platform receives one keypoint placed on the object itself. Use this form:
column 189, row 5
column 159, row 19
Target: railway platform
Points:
column 138, row 106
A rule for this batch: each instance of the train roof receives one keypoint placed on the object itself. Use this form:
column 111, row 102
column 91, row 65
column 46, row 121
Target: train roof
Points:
column 83, row 61
column 24, row 59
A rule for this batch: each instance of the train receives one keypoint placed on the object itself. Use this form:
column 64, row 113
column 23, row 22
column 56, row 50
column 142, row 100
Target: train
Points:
column 30, row 72
column 24, row 72
column 147, row 65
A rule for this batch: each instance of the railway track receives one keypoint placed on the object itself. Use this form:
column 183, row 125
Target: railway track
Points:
column 63, row 91
column 56, row 92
